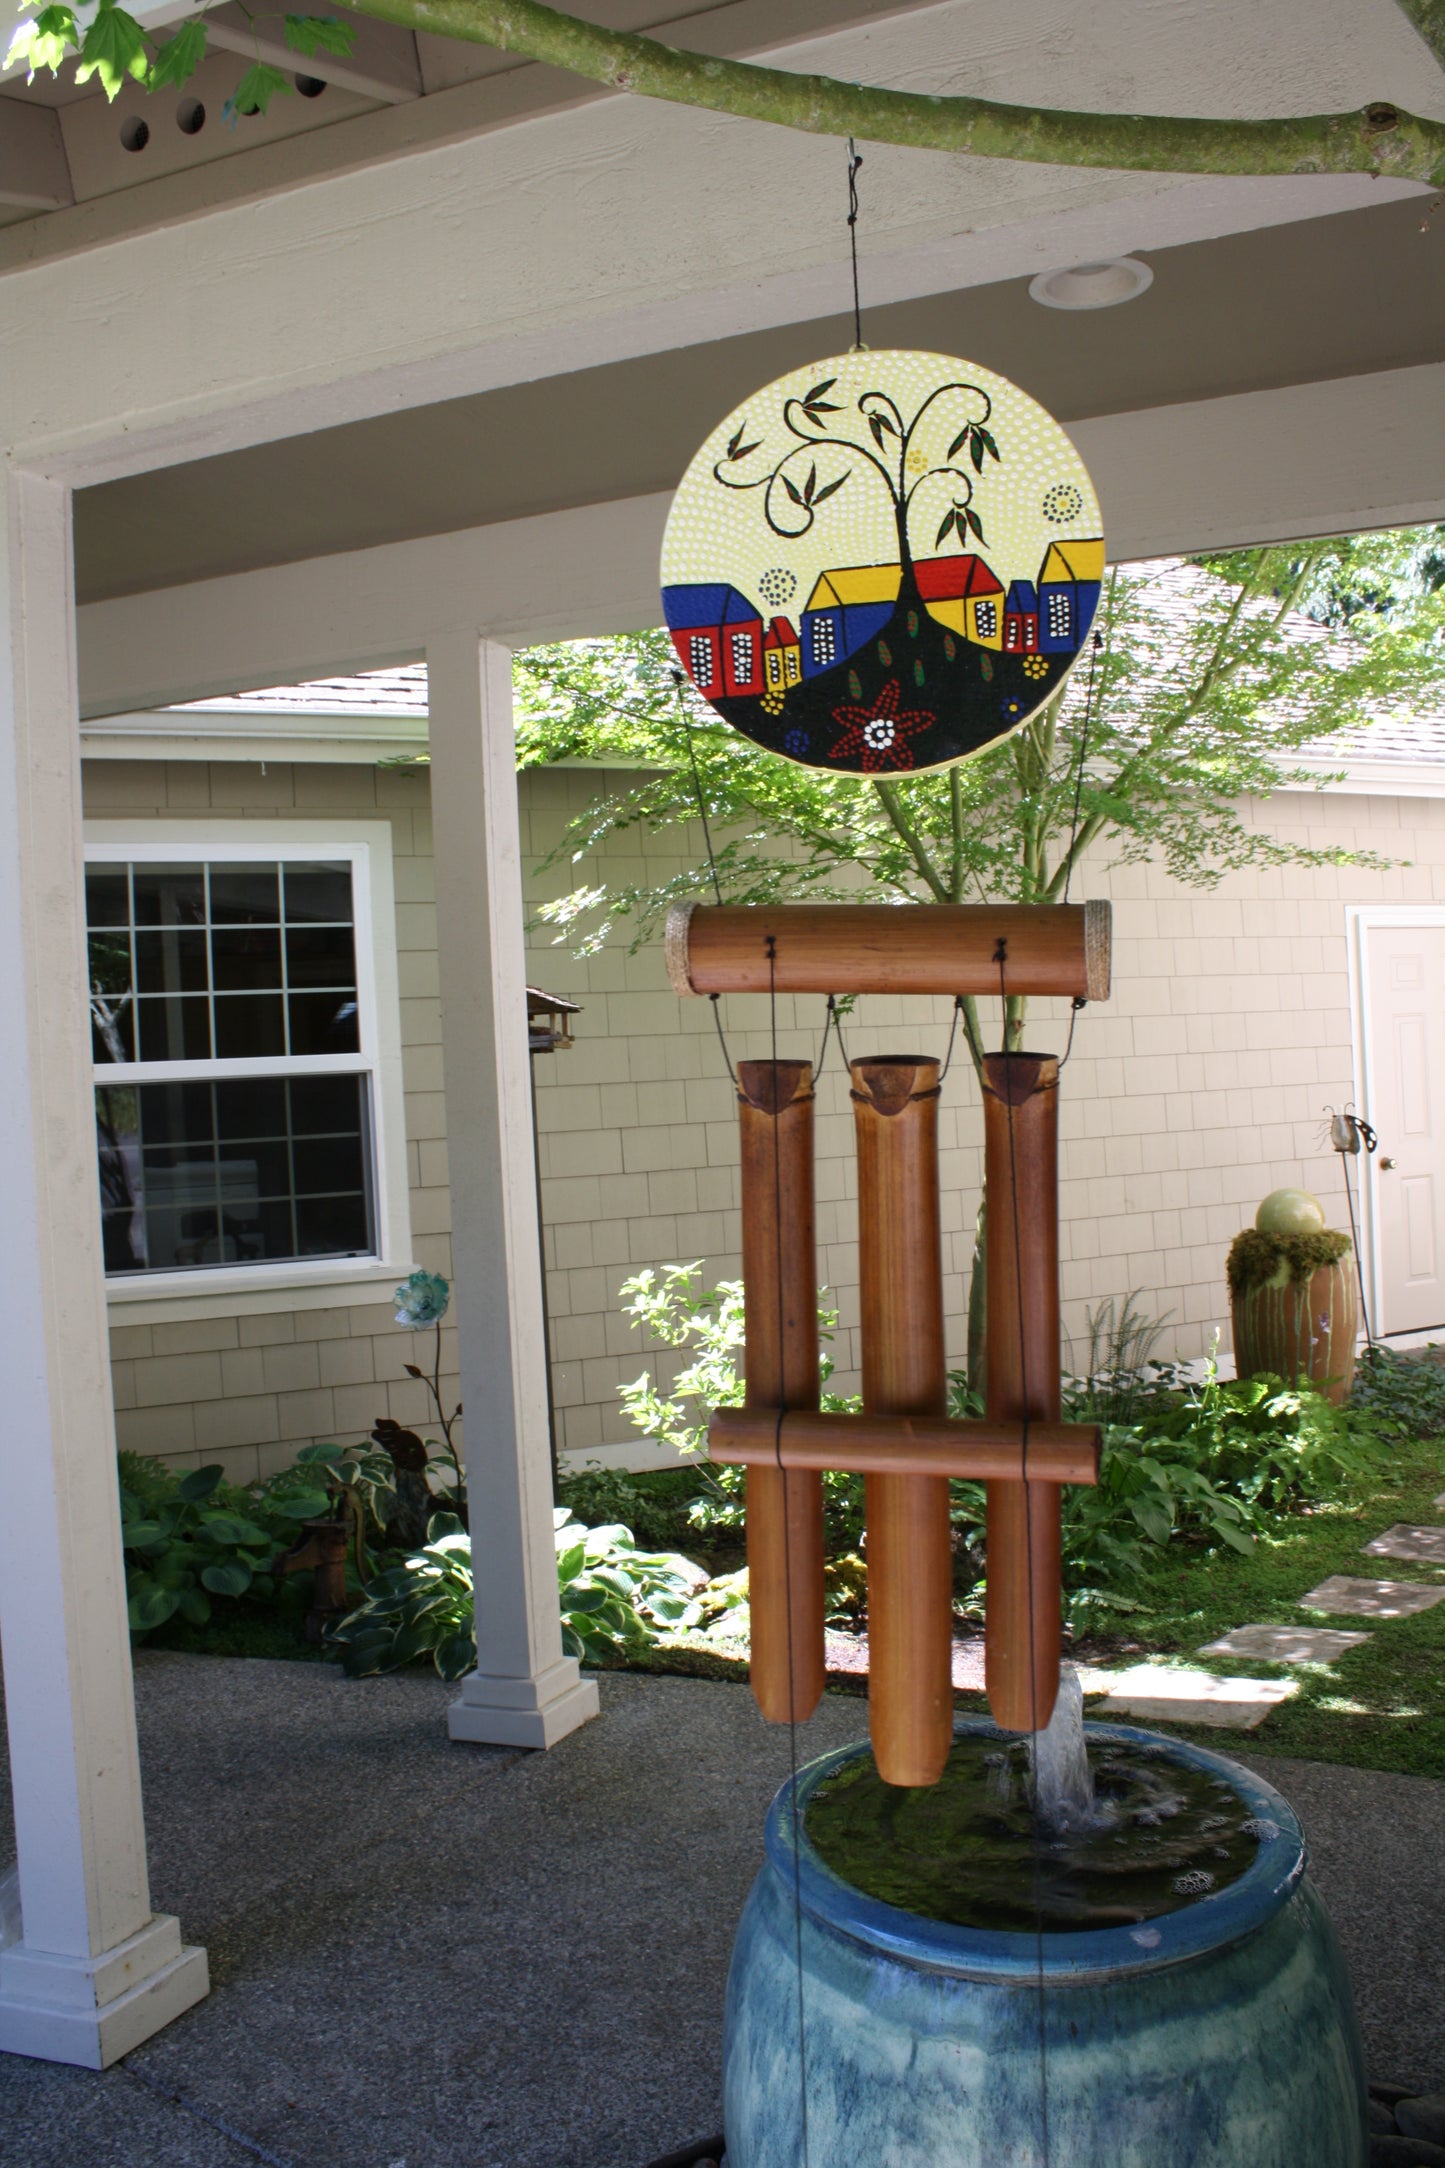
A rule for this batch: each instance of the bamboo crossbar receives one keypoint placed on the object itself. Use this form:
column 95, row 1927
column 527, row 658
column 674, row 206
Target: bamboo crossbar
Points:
column 905, row 1445
column 866, row 948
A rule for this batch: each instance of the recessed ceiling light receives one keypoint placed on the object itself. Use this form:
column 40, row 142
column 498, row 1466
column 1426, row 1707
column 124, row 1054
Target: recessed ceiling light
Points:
column 1092, row 285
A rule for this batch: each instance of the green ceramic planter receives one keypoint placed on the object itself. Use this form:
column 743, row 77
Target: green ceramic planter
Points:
column 1301, row 1329
column 1219, row 2036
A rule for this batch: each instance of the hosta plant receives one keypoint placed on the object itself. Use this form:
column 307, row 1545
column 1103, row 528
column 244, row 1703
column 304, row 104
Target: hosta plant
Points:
column 423, row 1607
column 611, row 1596
column 184, row 1546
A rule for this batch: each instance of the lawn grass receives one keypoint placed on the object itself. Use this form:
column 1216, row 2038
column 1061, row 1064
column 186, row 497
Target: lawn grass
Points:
column 1381, row 1705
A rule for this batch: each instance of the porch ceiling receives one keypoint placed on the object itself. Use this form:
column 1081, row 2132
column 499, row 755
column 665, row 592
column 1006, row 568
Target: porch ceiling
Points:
column 1331, row 297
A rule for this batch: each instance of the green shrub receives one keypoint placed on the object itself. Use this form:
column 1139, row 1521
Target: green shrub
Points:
column 186, row 1543
column 1257, row 1259
column 1402, row 1389
column 611, row 1595
column 654, row 1504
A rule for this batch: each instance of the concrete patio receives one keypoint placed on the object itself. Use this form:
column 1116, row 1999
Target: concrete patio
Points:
column 452, row 1956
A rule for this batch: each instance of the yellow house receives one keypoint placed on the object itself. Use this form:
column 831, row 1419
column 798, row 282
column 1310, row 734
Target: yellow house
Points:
column 844, row 610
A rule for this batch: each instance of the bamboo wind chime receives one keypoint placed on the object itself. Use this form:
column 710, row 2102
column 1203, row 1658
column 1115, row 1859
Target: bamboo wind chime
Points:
column 902, row 1442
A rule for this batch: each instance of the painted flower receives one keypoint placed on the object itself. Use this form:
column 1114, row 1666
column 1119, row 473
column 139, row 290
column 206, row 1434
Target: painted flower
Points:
column 796, row 742
column 877, row 737
column 1013, row 708
column 1035, row 666
column 421, row 1300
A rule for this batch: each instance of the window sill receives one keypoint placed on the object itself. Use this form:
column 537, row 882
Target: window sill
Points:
column 166, row 1298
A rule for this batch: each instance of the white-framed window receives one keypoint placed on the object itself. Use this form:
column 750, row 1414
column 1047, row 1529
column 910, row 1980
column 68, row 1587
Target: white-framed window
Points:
column 246, row 1039
column 825, row 641
column 700, row 652
column 985, row 617
column 743, row 661
column 1060, row 615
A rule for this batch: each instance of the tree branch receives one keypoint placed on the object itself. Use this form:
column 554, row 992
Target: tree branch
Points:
column 1428, row 16
column 892, row 806
column 1380, row 139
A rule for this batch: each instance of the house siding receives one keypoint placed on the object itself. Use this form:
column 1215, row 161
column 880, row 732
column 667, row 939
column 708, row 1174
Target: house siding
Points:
column 1196, row 1089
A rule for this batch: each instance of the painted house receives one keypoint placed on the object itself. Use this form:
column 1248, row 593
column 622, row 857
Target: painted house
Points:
column 782, row 656
column 845, row 609
column 1021, row 619
column 964, row 594
column 1070, row 578
column 718, row 636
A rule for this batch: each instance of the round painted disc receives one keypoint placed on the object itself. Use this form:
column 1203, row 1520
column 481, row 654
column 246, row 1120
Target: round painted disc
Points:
column 882, row 563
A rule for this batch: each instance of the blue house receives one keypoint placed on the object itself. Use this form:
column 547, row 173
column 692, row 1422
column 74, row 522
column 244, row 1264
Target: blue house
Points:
column 718, row 635
column 1021, row 619
column 844, row 611
column 1070, row 579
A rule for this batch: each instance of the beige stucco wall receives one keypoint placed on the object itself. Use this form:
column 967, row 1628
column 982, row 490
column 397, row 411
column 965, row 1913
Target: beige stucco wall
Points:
column 1193, row 1091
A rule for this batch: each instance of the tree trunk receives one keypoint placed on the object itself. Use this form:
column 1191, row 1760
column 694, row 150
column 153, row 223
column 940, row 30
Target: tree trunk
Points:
column 978, row 1302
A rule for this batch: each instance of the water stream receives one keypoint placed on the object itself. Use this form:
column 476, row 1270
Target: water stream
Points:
column 1064, row 1801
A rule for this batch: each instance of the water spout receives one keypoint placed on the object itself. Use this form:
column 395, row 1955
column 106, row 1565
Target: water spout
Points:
column 1063, row 1782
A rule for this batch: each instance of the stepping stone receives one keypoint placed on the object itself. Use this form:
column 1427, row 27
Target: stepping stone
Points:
column 1194, row 1697
column 1285, row 1644
column 1371, row 1599
column 1403, row 1542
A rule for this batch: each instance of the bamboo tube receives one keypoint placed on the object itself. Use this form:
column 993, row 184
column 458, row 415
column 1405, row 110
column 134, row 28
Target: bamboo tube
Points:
column 910, row 1578
column 906, row 1445
column 784, row 1510
column 865, row 948
column 1020, row 1103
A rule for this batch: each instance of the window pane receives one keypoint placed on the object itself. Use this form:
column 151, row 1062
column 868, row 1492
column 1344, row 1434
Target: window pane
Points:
column 323, row 1024
column 249, row 1024
column 172, row 961
column 112, row 1029
column 331, row 1226
column 107, row 896
column 320, row 956
column 174, row 1027
column 245, row 956
column 325, row 1105
column 318, row 892
column 218, row 1174
column 170, row 895
column 245, row 895
column 250, row 1106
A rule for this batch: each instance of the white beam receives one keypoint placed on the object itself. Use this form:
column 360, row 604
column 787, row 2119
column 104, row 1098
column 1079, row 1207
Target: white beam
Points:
column 34, row 171
column 95, row 1971
column 524, row 1691
column 1354, row 453
column 382, row 63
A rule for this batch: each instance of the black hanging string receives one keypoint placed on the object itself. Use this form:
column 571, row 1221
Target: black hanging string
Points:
column 832, row 1028
column 1000, row 957
column 677, row 680
column 854, row 162
column 787, row 1543
column 715, row 999
column 952, row 1039
column 1078, row 1004
column 1094, row 648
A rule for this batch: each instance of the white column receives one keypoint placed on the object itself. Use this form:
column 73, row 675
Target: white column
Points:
column 524, row 1691
column 95, row 1971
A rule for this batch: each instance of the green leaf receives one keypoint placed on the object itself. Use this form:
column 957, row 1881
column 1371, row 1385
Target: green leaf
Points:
column 195, row 1607
column 811, row 398
column 974, row 522
column 228, row 1578
column 586, row 1602
column 959, row 441
column 950, row 520
column 975, row 453
column 113, row 48
column 150, row 1608
column 795, row 494
column 141, row 1535
column 456, row 1655
column 829, row 488
column 988, row 443
column 200, row 1483
column 253, row 94
column 44, row 41
column 319, row 34
column 179, row 58
column 306, row 1506
column 229, row 1528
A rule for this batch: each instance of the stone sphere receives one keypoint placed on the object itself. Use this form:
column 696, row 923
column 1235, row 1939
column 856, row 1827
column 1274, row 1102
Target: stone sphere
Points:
column 1290, row 1212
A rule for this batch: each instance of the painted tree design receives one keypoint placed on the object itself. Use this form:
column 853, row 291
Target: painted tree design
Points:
column 950, row 425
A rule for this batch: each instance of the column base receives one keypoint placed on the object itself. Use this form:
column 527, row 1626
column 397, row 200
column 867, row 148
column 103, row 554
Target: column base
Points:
column 92, row 2010
column 536, row 1712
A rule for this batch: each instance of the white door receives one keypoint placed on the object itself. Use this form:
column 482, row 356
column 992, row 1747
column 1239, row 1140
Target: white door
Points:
column 1405, row 971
